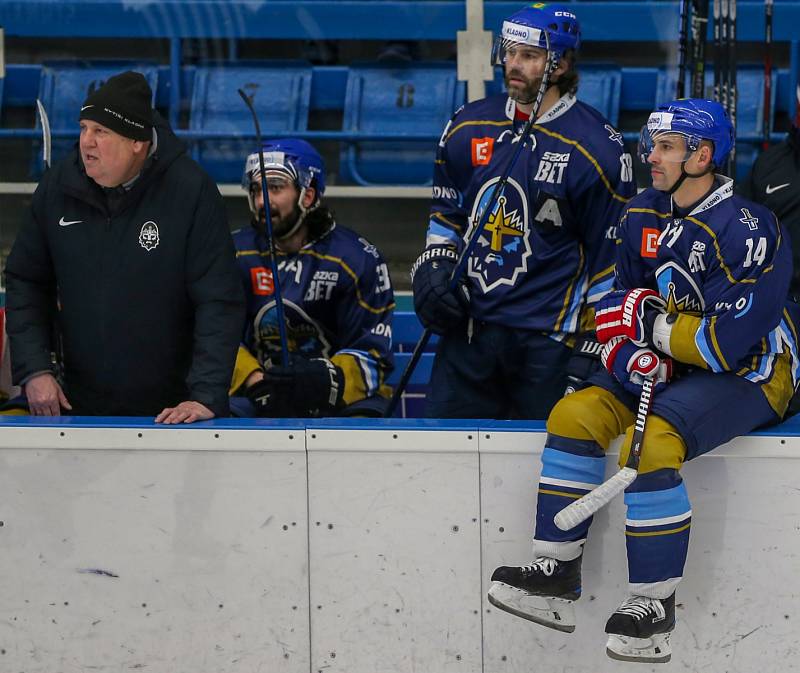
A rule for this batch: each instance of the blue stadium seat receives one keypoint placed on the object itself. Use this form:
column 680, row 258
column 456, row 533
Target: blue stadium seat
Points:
column 282, row 92
column 600, row 86
column 412, row 98
column 63, row 87
column 406, row 331
column 749, row 108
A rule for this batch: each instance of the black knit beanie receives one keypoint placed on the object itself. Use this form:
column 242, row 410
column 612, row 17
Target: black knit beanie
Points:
column 122, row 104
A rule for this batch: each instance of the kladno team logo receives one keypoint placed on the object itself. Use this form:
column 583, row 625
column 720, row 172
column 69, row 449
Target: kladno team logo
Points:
column 679, row 289
column 303, row 334
column 504, row 246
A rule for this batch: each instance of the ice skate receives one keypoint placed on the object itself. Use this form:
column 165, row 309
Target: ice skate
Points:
column 640, row 628
column 542, row 592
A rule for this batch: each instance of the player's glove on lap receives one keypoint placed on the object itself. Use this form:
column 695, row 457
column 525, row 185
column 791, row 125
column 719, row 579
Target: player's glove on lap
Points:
column 438, row 309
column 307, row 387
column 583, row 362
column 629, row 314
column 630, row 363
column 268, row 403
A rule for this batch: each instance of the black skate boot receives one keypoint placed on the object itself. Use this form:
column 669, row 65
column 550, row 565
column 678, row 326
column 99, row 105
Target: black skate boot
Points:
column 542, row 592
column 640, row 628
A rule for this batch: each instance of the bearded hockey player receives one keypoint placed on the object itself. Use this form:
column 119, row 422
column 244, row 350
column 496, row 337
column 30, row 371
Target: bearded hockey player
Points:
column 702, row 280
column 337, row 299
column 546, row 251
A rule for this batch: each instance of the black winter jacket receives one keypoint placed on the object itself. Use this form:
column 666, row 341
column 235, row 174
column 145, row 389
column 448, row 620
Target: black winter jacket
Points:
column 775, row 182
column 151, row 306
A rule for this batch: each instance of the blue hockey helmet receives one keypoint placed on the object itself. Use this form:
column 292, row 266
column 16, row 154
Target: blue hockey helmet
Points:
column 529, row 25
column 695, row 119
column 291, row 157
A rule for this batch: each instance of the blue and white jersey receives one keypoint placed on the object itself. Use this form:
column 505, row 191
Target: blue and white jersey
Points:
column 338, row 304
column 724, row 269
column 547, row 248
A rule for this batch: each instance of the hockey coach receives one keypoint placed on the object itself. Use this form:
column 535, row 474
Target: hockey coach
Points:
column 124, row 268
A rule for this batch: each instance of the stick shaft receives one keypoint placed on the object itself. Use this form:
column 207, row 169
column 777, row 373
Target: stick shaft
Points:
column 584, row 507
column 273, row 262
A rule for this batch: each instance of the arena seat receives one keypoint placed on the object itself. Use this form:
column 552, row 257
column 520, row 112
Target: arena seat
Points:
column 406, row 331
column 600, row 86
column 64, row 85
column 281, row 93
column 411, row 98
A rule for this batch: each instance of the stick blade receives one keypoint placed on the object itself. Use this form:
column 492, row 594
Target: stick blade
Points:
column 580, row 510
column 45, row 122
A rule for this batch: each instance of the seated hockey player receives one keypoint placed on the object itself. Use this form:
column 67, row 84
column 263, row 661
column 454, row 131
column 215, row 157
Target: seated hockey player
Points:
column 521, row 318
column 702, row 280
column 336, row 294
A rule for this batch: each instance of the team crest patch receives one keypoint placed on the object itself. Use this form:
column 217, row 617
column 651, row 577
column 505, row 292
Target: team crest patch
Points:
column 303, row 334
column 148, row 236
column 504, row 246
column 679, row 289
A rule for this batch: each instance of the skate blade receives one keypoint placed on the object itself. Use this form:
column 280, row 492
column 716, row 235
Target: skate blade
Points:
column 554, row 613
column 655, row 650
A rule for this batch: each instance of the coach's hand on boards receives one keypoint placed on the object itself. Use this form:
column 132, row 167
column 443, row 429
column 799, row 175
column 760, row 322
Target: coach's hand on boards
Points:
column 629, row 314
column 438, row 308
column 630, row 364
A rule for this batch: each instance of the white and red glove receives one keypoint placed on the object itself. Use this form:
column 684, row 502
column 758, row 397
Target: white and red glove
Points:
column 630, row 364
column 629, row 314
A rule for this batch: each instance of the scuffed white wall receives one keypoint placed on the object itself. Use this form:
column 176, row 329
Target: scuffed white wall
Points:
column 188, row 550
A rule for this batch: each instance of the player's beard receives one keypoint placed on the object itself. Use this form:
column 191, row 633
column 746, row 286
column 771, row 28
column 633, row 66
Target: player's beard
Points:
column 525, row 94
column 280, row 225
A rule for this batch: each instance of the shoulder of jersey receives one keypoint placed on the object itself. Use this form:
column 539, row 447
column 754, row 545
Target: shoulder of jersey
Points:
column 243, row 237
column 491, row 108
column 736, row 206
column 647, row 198
column 586, row 126
column 348, row 246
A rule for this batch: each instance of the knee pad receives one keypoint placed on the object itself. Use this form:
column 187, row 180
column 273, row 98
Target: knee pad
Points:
column 663, row 447
column 592, row 413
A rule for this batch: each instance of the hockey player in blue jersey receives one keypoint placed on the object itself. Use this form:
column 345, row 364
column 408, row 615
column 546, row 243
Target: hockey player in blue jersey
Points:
column 701, row 289
column 546, row 252
column 337, row 299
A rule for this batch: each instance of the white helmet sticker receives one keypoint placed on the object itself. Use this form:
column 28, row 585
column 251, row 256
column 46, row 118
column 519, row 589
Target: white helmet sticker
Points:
column 514, row 32
column 660, row 121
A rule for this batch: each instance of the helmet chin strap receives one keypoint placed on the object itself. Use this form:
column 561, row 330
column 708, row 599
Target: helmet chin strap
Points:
column 685, row 175
column 303, row 213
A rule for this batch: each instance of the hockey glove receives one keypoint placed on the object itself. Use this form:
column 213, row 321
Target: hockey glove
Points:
column 268, row 402
column 583, row 362
column 438, row 309
column 630, row 364
column 307, row 387
column 628, row 314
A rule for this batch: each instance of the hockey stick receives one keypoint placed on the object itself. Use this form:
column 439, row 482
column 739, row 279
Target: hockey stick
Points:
column 273, row 262
column 480, row 221
column 765, row 125
column 46, row 143
column 732, row 94
column 57, row 354
column 699, row 32
column 683, row 47
column 797, row 107
column 717, row 93
column 580, row 510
